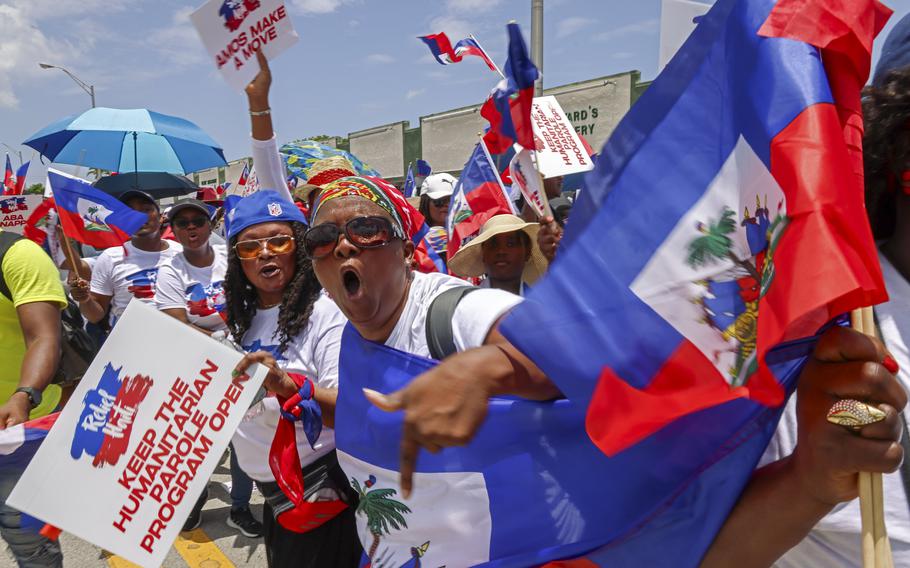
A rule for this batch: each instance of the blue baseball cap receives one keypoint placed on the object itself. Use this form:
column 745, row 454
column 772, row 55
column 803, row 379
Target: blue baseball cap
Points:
column 264, row 206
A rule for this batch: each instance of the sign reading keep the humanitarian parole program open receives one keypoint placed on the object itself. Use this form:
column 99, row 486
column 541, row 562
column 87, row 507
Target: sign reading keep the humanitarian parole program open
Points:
column 560, row 151
column 134, row 448
column 233, row 30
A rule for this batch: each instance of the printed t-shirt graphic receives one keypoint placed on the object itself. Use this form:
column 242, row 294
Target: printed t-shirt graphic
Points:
column 126, row 272
column 199, row 290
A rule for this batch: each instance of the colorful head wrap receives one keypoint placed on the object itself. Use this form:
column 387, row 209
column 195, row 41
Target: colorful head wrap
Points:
column 405, row 217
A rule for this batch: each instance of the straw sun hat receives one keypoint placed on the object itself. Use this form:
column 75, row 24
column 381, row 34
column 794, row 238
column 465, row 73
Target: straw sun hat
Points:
column 468, row 261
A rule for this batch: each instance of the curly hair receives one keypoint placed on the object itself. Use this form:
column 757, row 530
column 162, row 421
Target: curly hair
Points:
column 296, row 304
column 886, row 147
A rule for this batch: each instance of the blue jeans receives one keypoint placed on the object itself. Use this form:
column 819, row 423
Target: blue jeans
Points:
column 30, row 548
column 241, row 485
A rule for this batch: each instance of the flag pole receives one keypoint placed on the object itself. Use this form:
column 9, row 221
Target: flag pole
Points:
column 498, row 70
column 876, row 548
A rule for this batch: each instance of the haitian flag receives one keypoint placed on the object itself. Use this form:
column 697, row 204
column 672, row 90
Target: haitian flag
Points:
column 21, row 173
column 18, row 445
column 91, row 216
column 478, row 195
column 9, row 181
column 529, row 488
column 509, row 107
column 423, row 168
column 724, row 223
column 445, row 54
column 409, row 183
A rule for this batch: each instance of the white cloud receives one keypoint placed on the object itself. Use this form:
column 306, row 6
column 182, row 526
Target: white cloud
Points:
column 471, row 6
column 455, row 28
column 380, row 58
column 570, row 26
column 318, row 6
column 644, row 27
column 23, row 45
column 178, row 43
column 414, row 93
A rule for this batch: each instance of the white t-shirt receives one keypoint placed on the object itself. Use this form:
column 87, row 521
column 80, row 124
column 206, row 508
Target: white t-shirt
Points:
column 314, row 353
column 835, row 540
column 474, row 316
column 126, row 272
column 199, row 290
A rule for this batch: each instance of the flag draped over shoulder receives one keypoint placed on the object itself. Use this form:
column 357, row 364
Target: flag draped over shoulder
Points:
column 91, row 216
column 528, row 456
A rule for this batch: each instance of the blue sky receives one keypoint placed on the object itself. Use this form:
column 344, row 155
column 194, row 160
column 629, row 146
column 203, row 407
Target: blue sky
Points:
column 358, row 63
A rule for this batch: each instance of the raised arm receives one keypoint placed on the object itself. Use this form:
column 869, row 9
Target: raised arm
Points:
column 268, row 162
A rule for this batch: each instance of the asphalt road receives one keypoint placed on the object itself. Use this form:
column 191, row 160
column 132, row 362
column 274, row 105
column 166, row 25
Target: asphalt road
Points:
column 212, row 545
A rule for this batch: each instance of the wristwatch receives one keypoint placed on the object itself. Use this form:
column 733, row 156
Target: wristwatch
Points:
column 34, row 395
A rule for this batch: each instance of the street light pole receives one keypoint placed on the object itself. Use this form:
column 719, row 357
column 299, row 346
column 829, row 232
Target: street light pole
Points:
column 90, row 89
column 537, row 42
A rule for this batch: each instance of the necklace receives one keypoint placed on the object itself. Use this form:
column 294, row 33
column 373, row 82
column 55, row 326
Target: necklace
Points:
column 269, row 306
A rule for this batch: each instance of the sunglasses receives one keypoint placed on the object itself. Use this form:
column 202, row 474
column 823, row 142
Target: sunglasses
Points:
column 279, row 244
column 441, row 202
column 362, row 232
column 195, row 222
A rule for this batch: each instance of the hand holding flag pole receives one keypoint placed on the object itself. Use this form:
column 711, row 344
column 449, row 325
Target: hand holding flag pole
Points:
column 875, row 544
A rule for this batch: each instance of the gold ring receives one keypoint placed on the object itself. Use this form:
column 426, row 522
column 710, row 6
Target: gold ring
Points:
column 854, row 414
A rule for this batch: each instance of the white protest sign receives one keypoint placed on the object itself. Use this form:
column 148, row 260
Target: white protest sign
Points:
column 525, row 176
column 233, row 30
column 134, row 448
column 15, row 210
column 560, row 151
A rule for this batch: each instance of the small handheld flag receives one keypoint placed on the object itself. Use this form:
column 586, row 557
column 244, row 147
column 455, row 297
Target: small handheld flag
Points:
column 445, row 54
column 509, row 106
column 409, row 183
column 478, row 195
column 91, row 216
column 21, row 173
column 9, row 181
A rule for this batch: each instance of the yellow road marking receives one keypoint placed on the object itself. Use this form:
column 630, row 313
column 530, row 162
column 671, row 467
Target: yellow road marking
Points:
column 198, row 550
column 117, row 562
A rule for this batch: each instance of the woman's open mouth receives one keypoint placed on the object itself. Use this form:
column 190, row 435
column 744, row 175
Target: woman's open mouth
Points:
column 269, row 271
column 351, row 282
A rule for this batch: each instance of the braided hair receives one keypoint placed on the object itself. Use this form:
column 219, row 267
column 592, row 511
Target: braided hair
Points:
column 886, row 147
column 296, row 303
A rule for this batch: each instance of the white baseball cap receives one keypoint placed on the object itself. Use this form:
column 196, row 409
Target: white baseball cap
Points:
column 438, row 185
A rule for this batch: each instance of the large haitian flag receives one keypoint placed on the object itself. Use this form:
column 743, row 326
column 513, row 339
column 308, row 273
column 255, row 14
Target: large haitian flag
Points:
column 722, row 229
column 724, row 219
column 91, row 216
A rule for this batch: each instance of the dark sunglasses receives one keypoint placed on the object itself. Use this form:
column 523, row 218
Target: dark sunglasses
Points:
column 195, row 222
column 441, row 202
column 279, row 244
column 362, row 232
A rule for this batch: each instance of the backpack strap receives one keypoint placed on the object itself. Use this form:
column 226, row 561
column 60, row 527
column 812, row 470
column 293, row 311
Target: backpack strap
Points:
column 7, row 240
column 440, row 337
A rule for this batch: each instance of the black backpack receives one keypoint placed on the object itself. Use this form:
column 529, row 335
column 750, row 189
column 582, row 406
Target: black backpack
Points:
column 79, row 348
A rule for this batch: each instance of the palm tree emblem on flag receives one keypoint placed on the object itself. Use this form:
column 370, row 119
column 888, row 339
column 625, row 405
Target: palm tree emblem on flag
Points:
column 730, row 300
column 93, row 215
column 381, row 511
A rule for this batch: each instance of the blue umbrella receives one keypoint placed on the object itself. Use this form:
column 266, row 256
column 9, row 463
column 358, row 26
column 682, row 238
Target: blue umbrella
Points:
column 127, row 140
